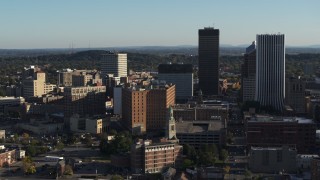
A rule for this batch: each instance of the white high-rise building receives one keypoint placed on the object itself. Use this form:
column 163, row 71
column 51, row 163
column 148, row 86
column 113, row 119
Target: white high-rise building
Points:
column 114, row 63
column 270, row 70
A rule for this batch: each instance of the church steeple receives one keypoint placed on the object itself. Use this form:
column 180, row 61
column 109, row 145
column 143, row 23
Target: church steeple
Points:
column 171, row 125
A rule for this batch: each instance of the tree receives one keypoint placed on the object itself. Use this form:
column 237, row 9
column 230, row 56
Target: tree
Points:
column 25, row 135
column 31, row 169
column 226, row 169
column 187, row 163
column 68, row 170
column 116, row 177
column 31, row 151
column 28, row 165
column 230, row 138
column 60, row 146
column 247, row 173
column 113, row 132
column 223, row 154
column 121, row 143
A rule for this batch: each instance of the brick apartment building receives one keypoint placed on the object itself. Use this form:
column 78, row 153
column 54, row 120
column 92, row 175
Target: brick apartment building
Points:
column 145, row 109
column 148, row 157
column 267, row 131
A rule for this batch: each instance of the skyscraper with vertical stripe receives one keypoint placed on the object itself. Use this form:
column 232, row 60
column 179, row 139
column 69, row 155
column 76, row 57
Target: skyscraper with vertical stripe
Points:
column 270, row 70
column 208, row 73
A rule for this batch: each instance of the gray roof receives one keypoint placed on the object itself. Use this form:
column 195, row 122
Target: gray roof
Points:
column 198, row 126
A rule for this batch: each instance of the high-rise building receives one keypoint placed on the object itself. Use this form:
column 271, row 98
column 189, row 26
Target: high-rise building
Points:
column 270, row 70
column 295, row 94
column 248, row 74
column 145, row 109
column 179, row 74
column 209, row 61
column 114, row 63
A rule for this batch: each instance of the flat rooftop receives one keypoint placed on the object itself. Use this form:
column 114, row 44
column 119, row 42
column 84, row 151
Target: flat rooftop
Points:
column 266, row 118
column 198, row 126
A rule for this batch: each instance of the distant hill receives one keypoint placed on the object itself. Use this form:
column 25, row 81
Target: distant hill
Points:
column 225, row 49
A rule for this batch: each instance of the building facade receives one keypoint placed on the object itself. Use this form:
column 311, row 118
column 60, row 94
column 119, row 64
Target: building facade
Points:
column 272, row 159
column 295, row 94
column 7, row 157
column 88, row 100
column 266, row 131
column 208, row 52
column 179, row 74
column 114, row 63
column 200, row 113
column 10, row 102
column 248, row 74
column 198, row 133
column 145, row 109
column 270, row 70
column 93, row 125
column 148, row 157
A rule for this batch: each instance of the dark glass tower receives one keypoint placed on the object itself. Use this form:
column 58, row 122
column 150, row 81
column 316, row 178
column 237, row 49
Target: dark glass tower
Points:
column 209, row 61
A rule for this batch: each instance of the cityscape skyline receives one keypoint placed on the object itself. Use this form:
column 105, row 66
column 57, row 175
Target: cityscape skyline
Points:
column 38, row 24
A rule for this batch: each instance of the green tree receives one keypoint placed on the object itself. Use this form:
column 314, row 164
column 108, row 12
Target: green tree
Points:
column 60, row 146
column 28, row 165
column 223, row 154
column 116, row 177
column 248, row 174
column 187, row 163
column 31, row 151
column 113, row 132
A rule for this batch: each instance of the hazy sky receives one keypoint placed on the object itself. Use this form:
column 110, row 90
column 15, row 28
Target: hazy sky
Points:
column 106, row 23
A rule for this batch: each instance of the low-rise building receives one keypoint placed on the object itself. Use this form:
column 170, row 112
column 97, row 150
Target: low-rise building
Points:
column 7, row 157
column 202, row 112
column 315, row 168
column 42, row 127
column 20, row 154
column 272, row 159
column 304, row 160
column 268, row 131
column 197, row 133
column 148, row 157
column 94, row 125
column 10, row 102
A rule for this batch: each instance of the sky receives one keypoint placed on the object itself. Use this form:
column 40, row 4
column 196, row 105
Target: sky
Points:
column 27, row 24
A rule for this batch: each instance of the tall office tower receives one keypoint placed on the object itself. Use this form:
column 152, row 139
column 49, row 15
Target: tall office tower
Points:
column 89, row 100
column 270, row 70
column 114, row 63
column 295, row 94
column 179, row 74
column 209, row 61
column 145, row 110
column 248, row 74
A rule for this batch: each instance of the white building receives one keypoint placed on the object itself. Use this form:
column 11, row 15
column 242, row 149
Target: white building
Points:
column 114, row 63
column 270, row 70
